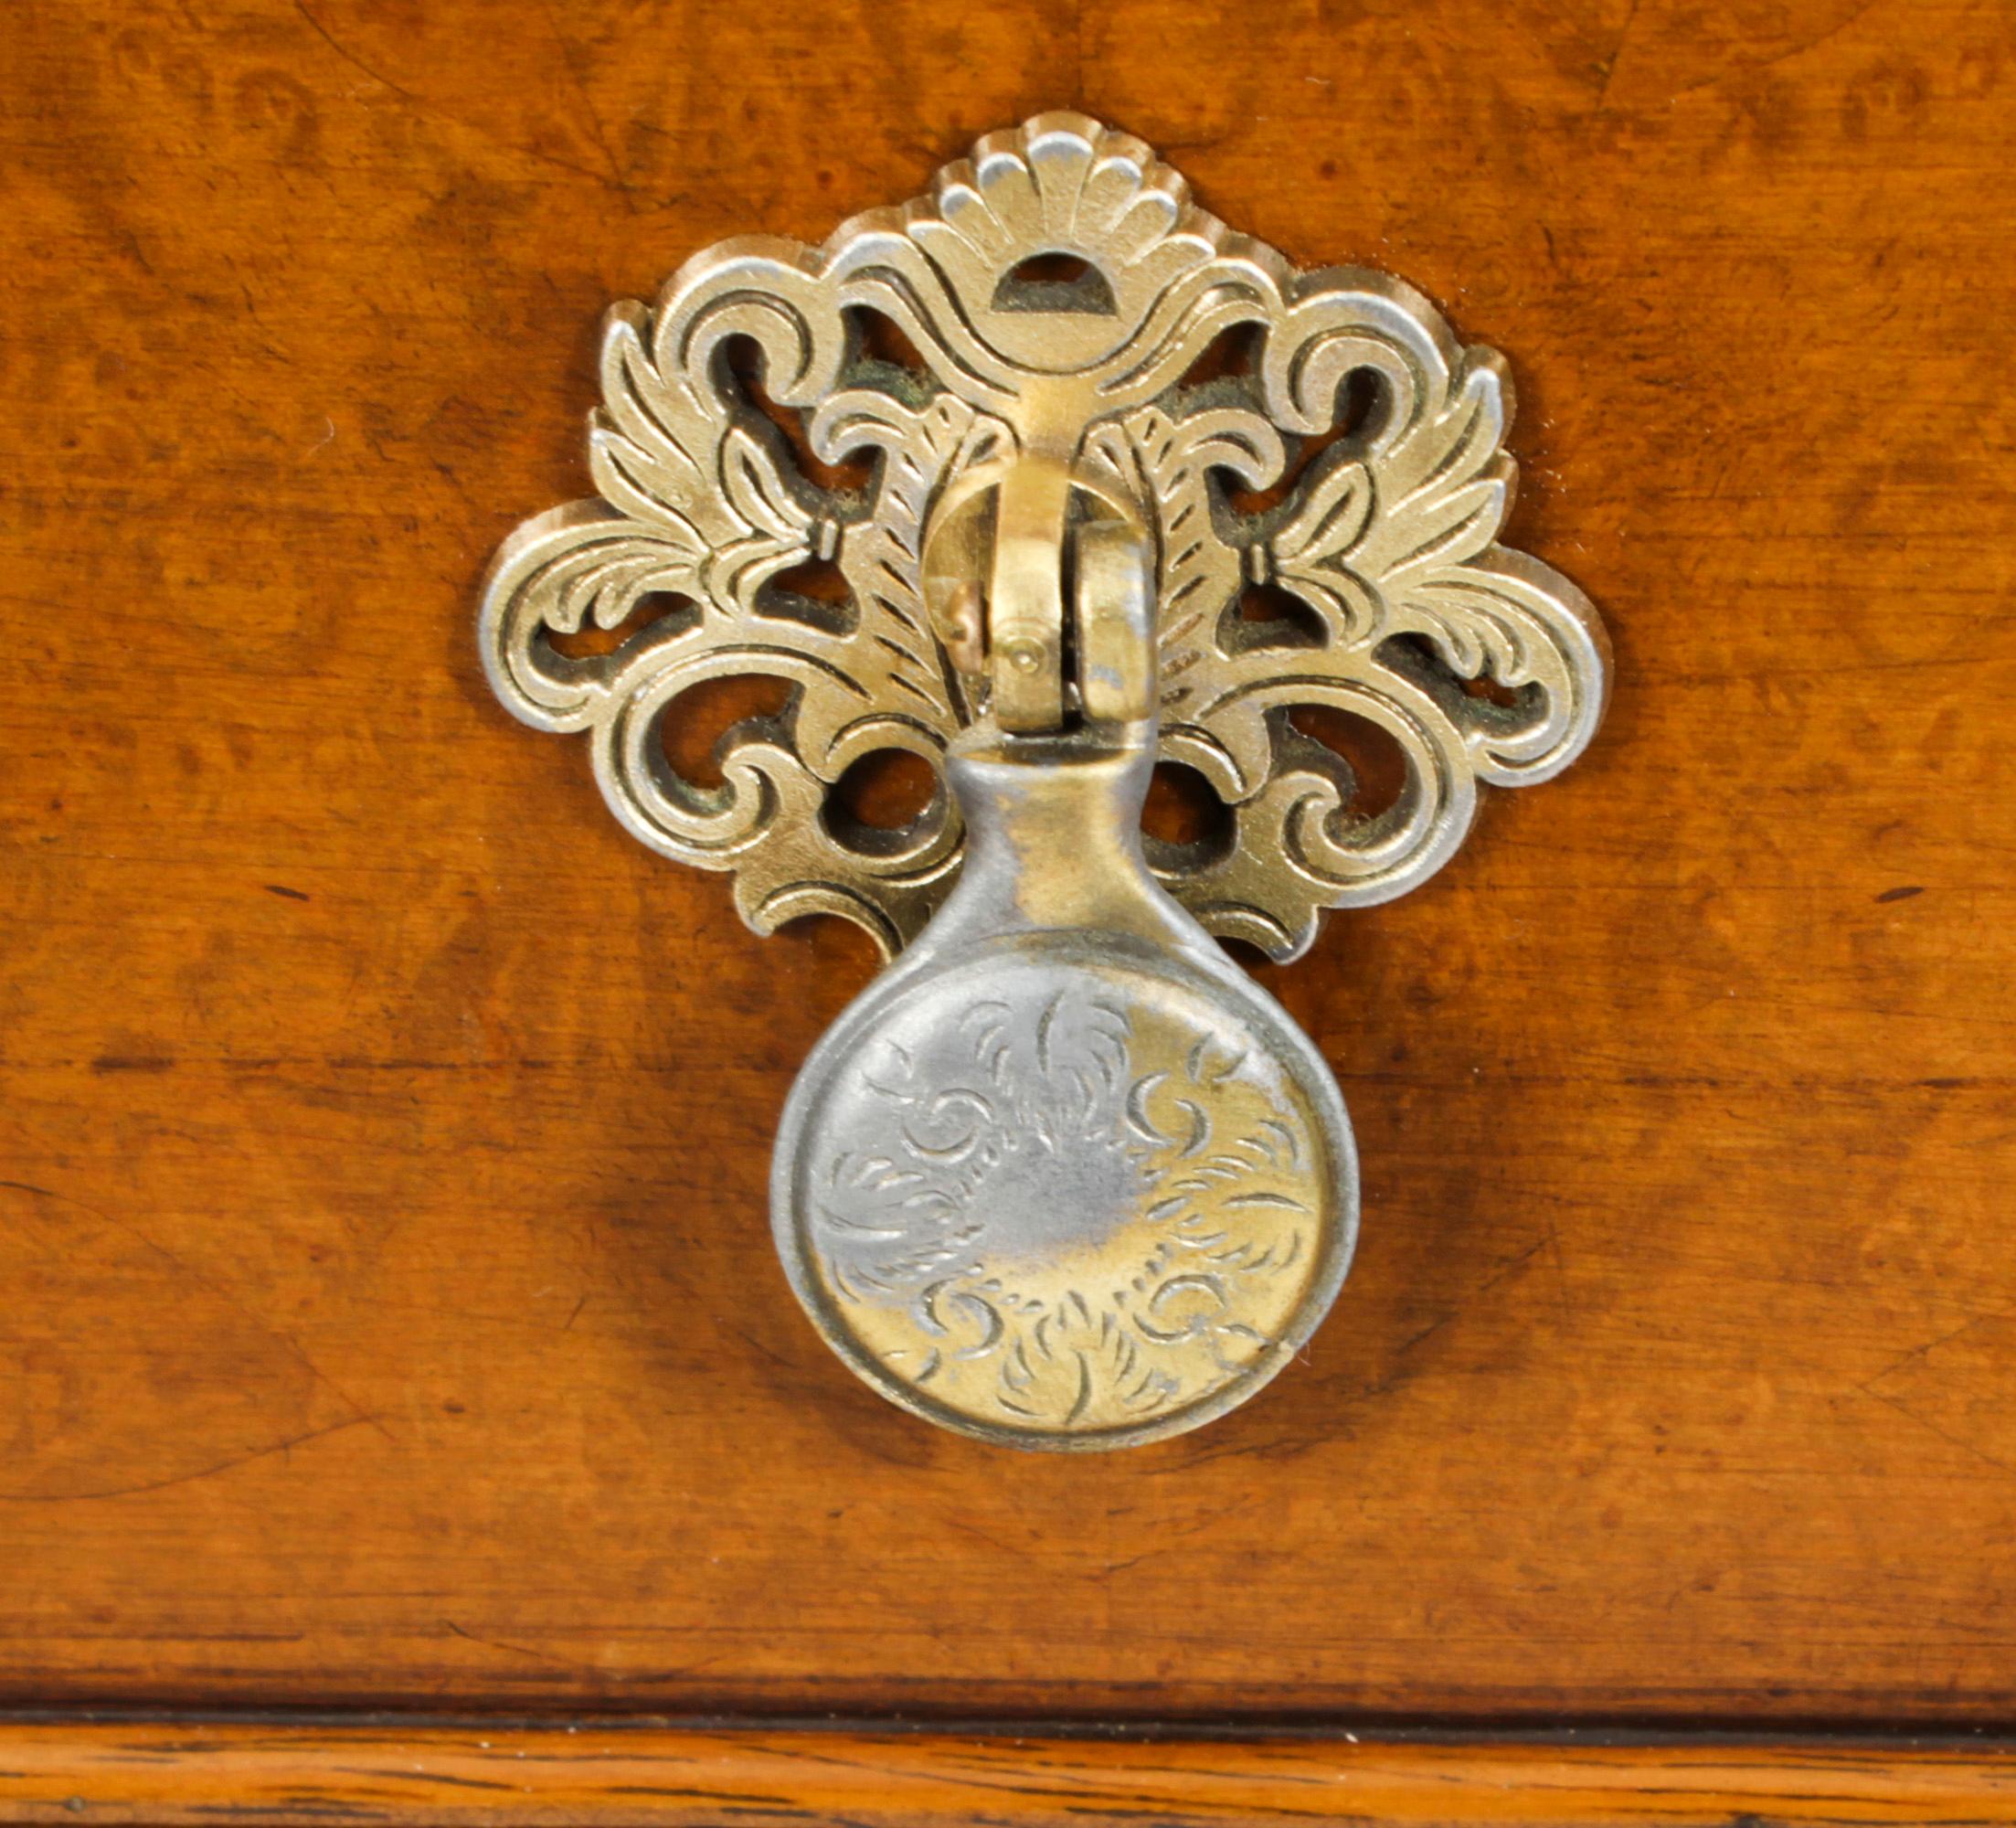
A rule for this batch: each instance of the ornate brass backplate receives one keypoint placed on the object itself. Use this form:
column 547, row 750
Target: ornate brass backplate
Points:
column 1063, row 1176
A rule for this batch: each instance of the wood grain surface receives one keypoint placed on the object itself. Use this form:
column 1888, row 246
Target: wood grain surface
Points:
column 179, row 1775
column 387, row 1308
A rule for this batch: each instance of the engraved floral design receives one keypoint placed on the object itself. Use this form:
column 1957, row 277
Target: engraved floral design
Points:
column 1387, row 534
column 1062, row 1211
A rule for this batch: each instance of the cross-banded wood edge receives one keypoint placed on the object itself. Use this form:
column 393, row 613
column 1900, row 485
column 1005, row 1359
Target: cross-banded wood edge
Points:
column 167, row 1772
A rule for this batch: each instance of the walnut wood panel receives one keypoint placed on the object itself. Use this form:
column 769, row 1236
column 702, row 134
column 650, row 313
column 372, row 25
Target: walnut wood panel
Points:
column 172, row 1774
column 390, row 1314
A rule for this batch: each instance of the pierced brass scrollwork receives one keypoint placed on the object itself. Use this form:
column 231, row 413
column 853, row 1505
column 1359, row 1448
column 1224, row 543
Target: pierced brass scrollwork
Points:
column 1100, row 426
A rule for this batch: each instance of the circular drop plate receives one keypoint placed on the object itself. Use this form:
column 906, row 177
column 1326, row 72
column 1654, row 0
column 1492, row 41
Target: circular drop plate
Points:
column 1060, row 1196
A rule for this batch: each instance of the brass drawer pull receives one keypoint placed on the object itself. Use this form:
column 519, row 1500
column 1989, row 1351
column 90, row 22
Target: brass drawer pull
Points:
column 1063, row 1176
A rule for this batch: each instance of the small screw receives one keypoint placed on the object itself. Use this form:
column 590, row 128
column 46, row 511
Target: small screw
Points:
column 1024, row 656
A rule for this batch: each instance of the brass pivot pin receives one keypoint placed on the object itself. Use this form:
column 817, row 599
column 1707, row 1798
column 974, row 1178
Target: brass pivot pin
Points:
column 1026, row 526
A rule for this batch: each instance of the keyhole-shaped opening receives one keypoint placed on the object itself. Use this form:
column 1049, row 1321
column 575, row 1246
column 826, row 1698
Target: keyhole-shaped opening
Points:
column 1056, row 280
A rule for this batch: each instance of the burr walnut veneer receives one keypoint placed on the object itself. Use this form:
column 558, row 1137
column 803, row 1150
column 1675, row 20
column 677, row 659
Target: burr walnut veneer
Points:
column 388, row 1319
